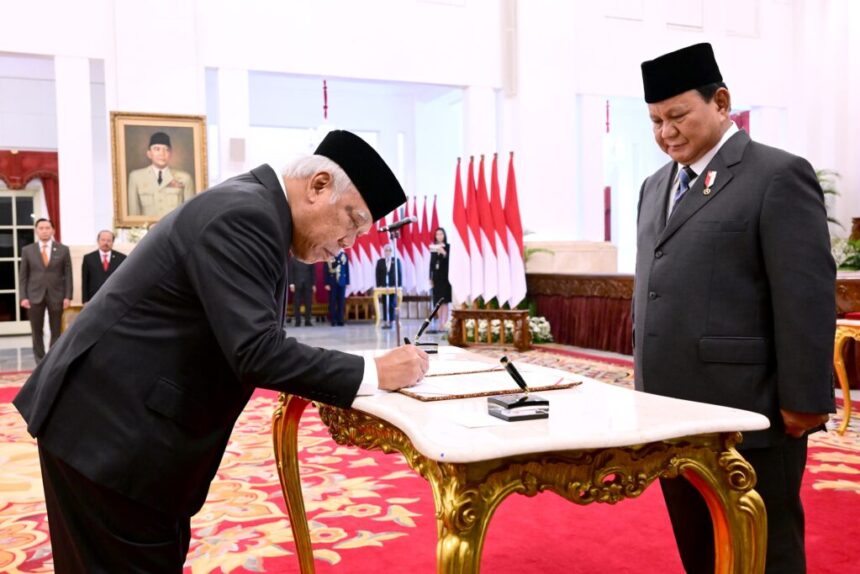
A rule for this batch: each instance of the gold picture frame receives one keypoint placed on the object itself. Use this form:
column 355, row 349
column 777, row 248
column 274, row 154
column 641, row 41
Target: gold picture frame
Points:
column 159, row 161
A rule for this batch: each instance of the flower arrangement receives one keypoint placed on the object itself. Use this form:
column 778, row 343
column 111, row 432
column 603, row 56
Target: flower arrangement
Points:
column 846, row 253
column 538, row 326
column 540, row 330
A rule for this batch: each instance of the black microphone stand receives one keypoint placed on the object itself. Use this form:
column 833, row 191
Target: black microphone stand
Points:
column 393, row 235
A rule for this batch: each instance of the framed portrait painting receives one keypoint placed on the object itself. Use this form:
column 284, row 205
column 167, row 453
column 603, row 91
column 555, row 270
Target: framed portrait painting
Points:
column 159, row 161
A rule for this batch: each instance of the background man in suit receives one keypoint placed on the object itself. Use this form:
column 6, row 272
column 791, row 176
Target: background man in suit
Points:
column 385, row 278
column 158, row 189
column 45, row 283
column 734, row 295
column 134, row 406
column 99, row 265
column 302, row 277
column 336, row 282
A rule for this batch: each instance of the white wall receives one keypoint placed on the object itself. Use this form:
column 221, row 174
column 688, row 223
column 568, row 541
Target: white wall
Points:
column 792, row 62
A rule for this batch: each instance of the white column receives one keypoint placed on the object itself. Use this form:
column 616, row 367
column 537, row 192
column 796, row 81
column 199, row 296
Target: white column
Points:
column 233, row 117
column 75, row 140
column 479, row 121
column 589, row 167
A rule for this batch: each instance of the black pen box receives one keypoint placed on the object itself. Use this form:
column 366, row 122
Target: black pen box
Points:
column 518, row 407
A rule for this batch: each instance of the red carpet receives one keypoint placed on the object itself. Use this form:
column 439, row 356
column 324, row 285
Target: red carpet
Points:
column 369, row 513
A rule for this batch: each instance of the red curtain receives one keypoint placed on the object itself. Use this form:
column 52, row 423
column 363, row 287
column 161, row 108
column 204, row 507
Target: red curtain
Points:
column 17, row 169
column 591, row 322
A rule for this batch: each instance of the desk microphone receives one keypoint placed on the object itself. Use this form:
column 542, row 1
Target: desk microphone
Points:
column 398, row 224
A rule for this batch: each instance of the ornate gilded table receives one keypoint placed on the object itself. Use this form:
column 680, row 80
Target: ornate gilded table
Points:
column 846, row 330
column 601, row 444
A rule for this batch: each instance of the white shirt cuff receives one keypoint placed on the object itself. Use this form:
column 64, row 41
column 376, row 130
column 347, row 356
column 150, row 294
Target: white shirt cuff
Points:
column 370, row 380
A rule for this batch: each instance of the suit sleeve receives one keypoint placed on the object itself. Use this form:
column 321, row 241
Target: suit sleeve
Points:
column 85, row 280
column 68, row 283
column 235, row 267
column 802, row 277
column 24, row 274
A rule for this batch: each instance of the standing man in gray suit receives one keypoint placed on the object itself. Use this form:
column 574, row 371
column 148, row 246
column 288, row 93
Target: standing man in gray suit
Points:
column 734, row 295
column 45, row 283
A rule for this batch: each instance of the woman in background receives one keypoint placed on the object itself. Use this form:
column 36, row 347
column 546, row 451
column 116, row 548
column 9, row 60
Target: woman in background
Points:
column 439, row 251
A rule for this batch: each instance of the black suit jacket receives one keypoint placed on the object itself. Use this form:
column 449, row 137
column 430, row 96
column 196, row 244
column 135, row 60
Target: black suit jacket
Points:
column 382, row 280
column 93, row 274
column 302, row 274
column 156, row 369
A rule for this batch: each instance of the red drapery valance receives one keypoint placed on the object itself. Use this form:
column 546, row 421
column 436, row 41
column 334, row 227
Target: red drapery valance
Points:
column 17, row 169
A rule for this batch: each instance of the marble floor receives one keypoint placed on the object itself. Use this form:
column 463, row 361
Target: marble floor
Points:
column 16, row 352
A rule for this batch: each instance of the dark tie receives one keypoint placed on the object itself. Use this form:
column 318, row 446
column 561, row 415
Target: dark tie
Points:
column 159, row 177
column 685, row 176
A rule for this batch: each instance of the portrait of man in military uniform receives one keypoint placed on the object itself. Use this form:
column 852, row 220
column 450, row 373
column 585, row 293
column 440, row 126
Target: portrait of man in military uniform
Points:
column 158, row 165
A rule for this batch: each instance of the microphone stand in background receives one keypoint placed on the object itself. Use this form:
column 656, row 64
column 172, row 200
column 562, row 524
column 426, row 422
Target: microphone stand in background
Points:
column 393, row 235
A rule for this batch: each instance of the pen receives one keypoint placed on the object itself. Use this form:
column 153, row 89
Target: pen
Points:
column 426, row 322
column 515, row 374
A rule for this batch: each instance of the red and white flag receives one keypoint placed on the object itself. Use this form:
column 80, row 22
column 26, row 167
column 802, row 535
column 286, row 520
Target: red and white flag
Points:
column 356, row 277
column 434, row 220
column 425, row 248
column 476, row 259
column 502, row 250
column 515, row 238
column 459, row 268
column 368, row 263
column 406, row 254
column 488, row 237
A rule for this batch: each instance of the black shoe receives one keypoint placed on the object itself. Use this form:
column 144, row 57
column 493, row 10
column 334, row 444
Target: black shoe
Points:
column 340, row 324
column 309, row 324
column 385, row 326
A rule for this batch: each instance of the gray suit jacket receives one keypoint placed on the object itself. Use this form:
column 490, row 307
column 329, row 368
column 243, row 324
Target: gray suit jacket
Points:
column 50, row 284
column 734, row 299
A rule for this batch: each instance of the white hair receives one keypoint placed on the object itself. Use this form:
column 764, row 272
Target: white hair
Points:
column 310, row 165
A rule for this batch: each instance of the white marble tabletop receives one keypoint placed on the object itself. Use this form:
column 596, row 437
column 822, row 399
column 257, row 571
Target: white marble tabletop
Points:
column 590, row 415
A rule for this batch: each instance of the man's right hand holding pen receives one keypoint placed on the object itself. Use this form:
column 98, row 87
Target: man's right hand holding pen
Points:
column 401, row 367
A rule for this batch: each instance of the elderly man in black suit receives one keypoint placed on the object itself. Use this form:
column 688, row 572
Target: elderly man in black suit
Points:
column 99, row 265
column 134, row 406
column 734, row 295
column 45, row 283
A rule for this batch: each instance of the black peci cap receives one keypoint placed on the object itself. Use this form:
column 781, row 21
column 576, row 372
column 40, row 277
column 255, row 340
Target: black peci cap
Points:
column 369, row 173
column 676, row 72
column 159, row 138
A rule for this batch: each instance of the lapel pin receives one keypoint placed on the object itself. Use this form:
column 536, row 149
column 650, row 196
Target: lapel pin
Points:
column 710, row 179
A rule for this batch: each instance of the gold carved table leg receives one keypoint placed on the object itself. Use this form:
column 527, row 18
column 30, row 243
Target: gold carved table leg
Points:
column 843, row 334
column 285, row 434
column 466, row 495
